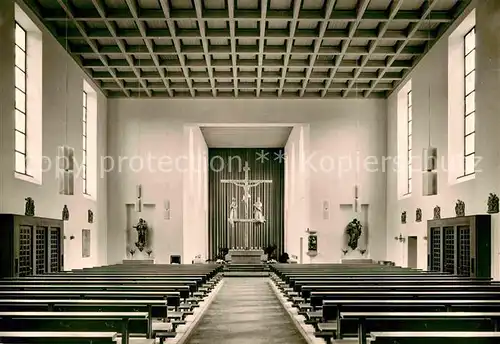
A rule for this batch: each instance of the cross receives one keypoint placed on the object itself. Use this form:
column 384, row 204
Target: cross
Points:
column 246, row 184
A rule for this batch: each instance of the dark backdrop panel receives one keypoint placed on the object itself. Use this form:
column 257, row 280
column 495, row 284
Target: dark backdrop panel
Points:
column 228, row 163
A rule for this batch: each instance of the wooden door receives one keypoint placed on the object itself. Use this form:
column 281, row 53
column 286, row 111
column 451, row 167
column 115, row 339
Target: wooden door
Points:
column 435, row 250
column 464, row 250
column 25, row 263
column 55, row 249
column 40, row 256
column 449, row 249
column 412, row 252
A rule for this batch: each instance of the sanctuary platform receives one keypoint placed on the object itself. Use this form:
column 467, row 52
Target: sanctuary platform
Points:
column 358, row 261
column 138, row 261
column 242, row 256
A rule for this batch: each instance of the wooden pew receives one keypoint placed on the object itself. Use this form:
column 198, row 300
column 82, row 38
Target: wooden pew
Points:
column 183, row 290
column 75, row 322
column 317, row 298
column 297, row 285
column 306, row 290
column 332, row 308
column 290, row 279
column 155, row 308
column 41, row 280
column 46, row 337
column 367, row 322
column 427, row 337
column 91, row 294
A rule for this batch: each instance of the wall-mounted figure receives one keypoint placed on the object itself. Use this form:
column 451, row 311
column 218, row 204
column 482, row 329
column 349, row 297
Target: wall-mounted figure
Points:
column 353, row 231
column 258, row 216
column 65, row 213
column 142, row 228
column 312, row 243
column 29, row 207
column 460, row 208
column 437, row 212
column 403, row 217
column 418, row 215
column 493, row 204
column 90, row 216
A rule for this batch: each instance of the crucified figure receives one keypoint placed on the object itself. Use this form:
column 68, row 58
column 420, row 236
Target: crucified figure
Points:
column 246, row 184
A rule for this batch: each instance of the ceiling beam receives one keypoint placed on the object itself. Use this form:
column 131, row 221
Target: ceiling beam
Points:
column 234, row 57
column 177, row 44
column 134, row 10
column 317, row 43
column 36, row 8
column 89, row 15
column 295, row 76
column 242, row 33
column 262, row 40
column 383, row 27
column 148, row 64
column 362, row 5
column 289, row 45
column 457, row 10
column 112, row 30
column 204, row 42
column 80, row 27
column 413, row 28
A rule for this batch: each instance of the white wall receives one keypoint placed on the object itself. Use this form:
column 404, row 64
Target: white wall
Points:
column 47, row 200
column 195, row 196
column 433, row 71
column 156, row 128
column 297, row 192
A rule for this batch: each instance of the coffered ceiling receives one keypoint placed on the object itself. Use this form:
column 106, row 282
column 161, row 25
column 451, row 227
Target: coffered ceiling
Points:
column 247, row 48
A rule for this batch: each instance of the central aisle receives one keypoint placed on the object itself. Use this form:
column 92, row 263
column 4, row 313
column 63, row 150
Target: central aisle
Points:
column 246, row 310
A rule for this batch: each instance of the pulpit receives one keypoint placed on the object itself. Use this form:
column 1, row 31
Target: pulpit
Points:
column 246, row 256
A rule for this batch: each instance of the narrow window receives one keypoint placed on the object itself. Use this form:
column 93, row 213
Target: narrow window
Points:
column 84, row 144
column 21, row 129
column 470, row 101
column 409, row 121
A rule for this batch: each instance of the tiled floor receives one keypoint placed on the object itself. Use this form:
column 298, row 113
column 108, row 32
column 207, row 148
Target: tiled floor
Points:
column 246, row 310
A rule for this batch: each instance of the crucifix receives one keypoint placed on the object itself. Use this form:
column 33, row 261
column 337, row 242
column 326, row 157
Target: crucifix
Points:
column 246, row 184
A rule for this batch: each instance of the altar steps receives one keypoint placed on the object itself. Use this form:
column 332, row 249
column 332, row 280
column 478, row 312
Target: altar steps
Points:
column 246, row 270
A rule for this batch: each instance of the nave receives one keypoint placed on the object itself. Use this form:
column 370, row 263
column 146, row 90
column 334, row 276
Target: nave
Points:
column 196, row 304
column 246, row 310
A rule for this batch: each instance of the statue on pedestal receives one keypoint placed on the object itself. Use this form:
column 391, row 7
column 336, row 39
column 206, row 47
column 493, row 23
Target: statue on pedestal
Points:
column 460, row 208
column 437, row 212
column 258, row 216
column 142, row 228
column 233, row 212
column 29, row 207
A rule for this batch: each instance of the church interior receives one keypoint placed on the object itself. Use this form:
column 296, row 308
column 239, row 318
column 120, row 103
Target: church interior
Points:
column 249, row 171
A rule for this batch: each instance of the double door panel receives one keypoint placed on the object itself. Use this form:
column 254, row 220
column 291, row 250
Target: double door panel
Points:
column 39, row 250
column 450, row 250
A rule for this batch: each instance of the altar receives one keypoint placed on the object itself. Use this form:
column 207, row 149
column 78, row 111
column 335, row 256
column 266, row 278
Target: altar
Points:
column 254, row 256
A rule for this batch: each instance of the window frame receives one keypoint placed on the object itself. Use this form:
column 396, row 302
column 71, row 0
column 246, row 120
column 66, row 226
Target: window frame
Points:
column 24, row 70
column 465, row 95
column 409, row 141
column 85, row 143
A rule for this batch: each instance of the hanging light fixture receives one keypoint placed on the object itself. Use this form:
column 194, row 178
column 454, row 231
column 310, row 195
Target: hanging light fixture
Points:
column 429, row 154
column 65, row 153
column 356, row 185
column 138, row 198
column 138, row 192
